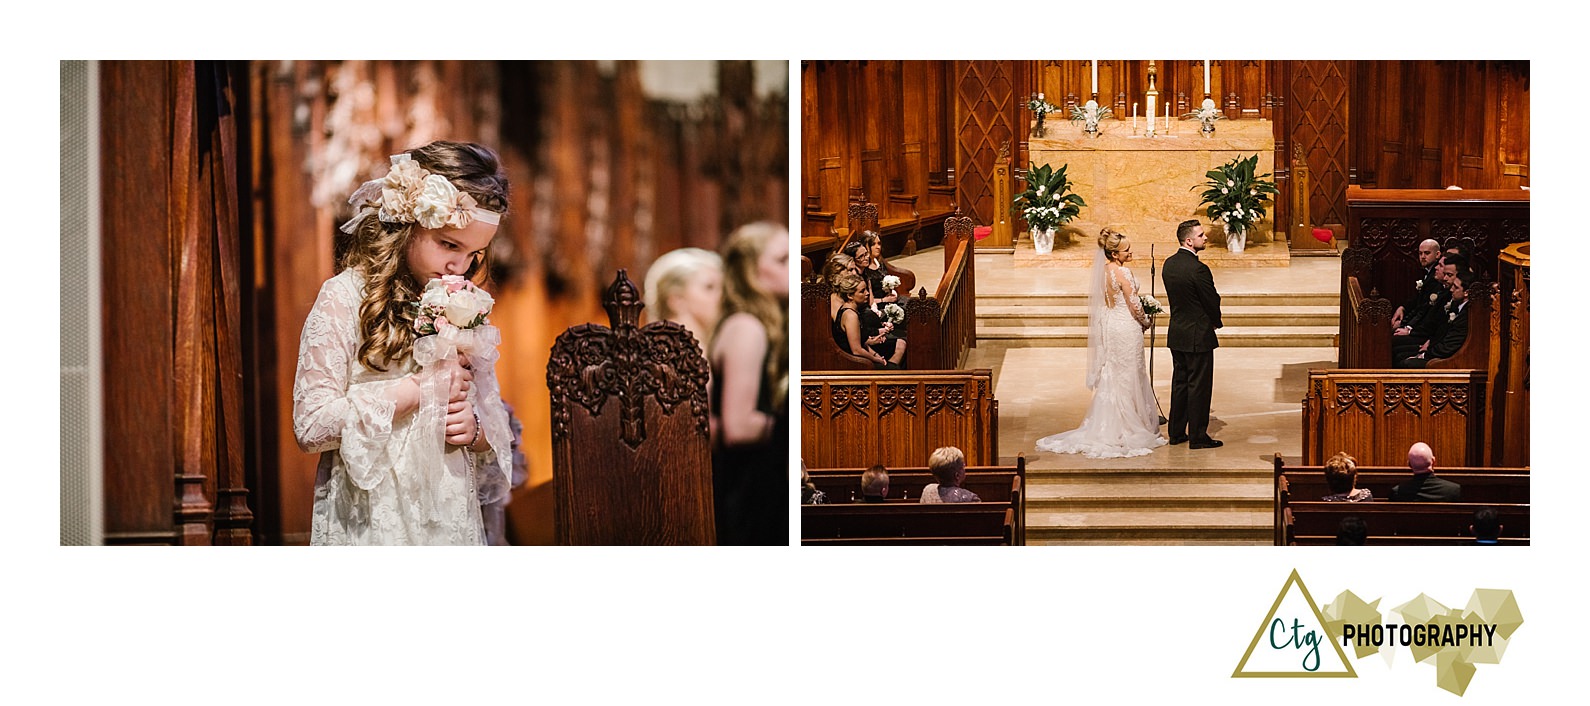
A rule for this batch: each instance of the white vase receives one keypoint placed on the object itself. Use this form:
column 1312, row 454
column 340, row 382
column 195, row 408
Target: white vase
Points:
column 1043, row 240
column 1236, row 238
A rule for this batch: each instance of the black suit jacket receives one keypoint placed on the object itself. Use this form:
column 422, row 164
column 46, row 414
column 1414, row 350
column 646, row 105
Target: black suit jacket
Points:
column 1419, row 302
column 1194, row 304
column 1427, row 488
column 1450, row 333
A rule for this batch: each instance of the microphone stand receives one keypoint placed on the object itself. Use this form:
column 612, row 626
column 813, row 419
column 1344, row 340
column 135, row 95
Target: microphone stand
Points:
column 1153, row 328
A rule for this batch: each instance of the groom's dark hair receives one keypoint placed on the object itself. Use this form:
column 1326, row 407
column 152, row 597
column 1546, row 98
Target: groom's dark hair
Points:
column 1185, row 229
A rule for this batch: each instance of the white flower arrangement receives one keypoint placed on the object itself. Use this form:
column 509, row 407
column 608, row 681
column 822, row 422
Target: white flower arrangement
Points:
column 1151, row 306
column 894, row 313
column 410, row 194
column 890, row 282
column 451, row 301
column 1039, row 106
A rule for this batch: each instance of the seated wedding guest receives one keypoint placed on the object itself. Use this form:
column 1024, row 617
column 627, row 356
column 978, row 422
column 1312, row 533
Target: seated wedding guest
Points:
column 852, row 337
column 1341, row 471
column 873, row 271
column 1449, row 336
column 872, row 320
column 1420, row 324
column 1351, row 532
column 810, row 495
column 1487, row 526
column 686, row 286
column 1424, row 486
column 1429, row 255
column 948, row 465
column 875, row 484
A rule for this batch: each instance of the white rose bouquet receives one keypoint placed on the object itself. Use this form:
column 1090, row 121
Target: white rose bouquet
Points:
column 451, row 301
column 893, row 313
column 890, row 282
column 1151, row 306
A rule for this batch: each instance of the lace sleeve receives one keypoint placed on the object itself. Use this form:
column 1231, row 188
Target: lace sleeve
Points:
column 1128, row 292
column 329, row 411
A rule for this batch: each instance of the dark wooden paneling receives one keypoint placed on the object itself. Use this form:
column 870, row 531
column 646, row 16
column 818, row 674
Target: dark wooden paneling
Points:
column 1375, row 415
column 897, row 418
column 988, row 115
column 137, row 263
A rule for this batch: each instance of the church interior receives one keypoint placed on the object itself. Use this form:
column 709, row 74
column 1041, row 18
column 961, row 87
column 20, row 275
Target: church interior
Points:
column 1368, row 159
column 213, row 210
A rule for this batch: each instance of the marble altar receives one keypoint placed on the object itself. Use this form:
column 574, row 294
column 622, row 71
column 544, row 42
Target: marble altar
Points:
column 1145, row 186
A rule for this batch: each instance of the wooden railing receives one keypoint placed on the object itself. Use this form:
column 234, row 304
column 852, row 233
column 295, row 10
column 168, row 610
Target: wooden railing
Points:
column 897, row 418
column 942, row 328
column 1366, row 329
column 1375, row 415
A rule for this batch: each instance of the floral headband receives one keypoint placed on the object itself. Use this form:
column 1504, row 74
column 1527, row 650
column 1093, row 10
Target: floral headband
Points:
column 409, row 194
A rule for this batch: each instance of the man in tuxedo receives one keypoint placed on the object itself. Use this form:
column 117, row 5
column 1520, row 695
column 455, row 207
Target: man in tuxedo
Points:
column 1451, row 325
column 1194, row 316
column 1429, row 256
column 1424, row 323
column 1424, row 486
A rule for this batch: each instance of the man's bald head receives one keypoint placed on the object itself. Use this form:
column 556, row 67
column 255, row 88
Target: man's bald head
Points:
column 1429, row 251
column 1420, row 458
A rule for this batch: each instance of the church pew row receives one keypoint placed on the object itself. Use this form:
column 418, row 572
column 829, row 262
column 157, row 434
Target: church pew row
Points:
column 984, row 523
column 938, row 329
column 1481, row 486
column 991, row 483
column 1399, row 523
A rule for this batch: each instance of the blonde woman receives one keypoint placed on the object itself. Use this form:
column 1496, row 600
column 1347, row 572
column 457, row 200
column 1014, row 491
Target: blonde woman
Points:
column 750, row 386
column 686, row 286
column 1123, row 419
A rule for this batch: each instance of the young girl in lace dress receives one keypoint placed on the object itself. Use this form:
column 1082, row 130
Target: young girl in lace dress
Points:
column 411, row 431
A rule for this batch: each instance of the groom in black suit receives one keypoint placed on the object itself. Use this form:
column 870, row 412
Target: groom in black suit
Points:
column 1194, row 316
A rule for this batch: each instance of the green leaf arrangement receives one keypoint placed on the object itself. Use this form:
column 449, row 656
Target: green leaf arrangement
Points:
column 1046, row 203
column 1235, row 196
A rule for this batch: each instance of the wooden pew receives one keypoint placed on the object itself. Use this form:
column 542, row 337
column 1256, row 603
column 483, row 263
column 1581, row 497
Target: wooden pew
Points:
column 903, row 523
column 1365, row 339
column 897, row 418
column 1313, row 522
column 1481, row 485
column 1378, row 414
column 991, row 483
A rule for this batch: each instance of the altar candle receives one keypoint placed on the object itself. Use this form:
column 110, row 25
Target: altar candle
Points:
column 1134, row 116
column 1095, row 75
column 1206, row 78
column 1150, row 113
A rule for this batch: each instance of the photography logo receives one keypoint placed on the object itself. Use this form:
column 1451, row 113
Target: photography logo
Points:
column 1293, row 640
column 1299, row 639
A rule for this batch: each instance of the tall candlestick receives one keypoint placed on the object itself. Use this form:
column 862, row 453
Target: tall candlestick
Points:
column 1207, row 91
column 1134, row 116
column 1095, row 76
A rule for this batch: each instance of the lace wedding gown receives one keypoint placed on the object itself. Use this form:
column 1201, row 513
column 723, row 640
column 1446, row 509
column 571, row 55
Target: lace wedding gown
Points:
column 1123, row 419
column 383, row 481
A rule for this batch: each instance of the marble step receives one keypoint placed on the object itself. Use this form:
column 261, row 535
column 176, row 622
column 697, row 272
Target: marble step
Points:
column 1231, row 316
column 1331, row 300
column 1230, row 336
column 1119, row 527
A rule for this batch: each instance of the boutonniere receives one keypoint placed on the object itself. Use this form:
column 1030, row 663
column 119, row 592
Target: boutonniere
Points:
column 1419, row 285
column 1433, row 297
column 1452, row 316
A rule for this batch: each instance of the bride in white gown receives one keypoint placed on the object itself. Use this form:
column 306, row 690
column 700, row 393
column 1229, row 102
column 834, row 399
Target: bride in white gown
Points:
column 1123, row 420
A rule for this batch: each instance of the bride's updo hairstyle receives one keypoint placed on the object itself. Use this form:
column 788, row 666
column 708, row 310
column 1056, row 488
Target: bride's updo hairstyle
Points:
column 379, row 248
column 1110, row 242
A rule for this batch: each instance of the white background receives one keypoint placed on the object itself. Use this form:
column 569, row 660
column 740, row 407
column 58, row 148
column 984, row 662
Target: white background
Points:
column 732, row 625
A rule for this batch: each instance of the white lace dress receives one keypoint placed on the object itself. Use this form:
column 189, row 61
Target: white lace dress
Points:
column 385, row 481
column 1123, row 420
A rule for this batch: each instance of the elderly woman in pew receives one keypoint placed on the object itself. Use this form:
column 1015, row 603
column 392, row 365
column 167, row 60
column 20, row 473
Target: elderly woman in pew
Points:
column 948, row 465
column 1341, row 472
column 884, row 352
